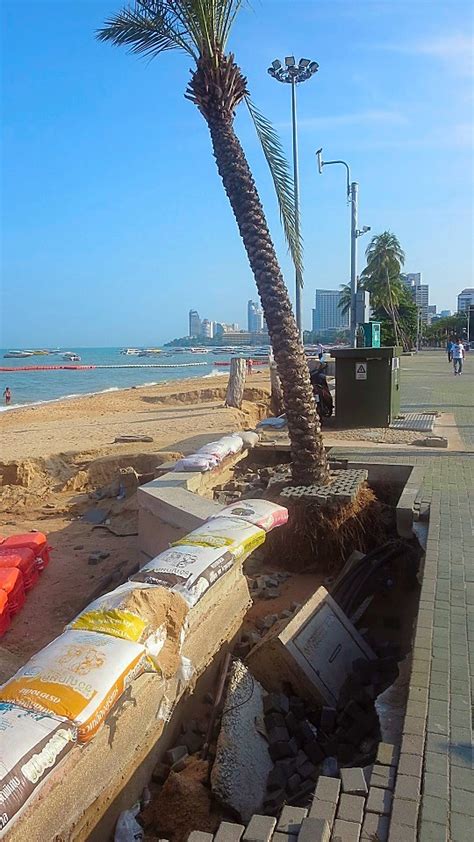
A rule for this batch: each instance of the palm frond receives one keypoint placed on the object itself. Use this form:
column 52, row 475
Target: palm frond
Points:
column 282, row 180
column 150, row 28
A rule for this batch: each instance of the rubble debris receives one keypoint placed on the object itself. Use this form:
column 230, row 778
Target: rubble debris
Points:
column 242, row 763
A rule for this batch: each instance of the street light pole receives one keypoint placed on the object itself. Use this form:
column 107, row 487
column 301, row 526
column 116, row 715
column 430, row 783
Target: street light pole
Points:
column 353, row 199
column 293, row 73
column 354, row 191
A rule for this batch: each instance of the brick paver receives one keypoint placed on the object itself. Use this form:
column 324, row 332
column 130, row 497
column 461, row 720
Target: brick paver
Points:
column 441, row 692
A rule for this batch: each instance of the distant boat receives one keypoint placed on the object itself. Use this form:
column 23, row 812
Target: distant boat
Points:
column 149, row 352
column 71, row 357
column 130, row 352
column 19, row 354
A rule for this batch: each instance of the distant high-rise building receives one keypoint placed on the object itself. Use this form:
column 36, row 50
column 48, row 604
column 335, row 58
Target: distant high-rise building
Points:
column 445, row 313
column 465, row 299
column 207, row 329
column 194, row 323
column 327, row 314
column 255, row 322
column 431, row 312
column 420, row 293
column 221, row 328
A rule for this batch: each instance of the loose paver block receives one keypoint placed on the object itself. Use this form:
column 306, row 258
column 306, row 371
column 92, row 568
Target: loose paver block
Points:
column 200, row 836
column 229, row 832
column 327, row 789
column 345, row 831
column 374, row 828
column 282, row 837
column 353, row 781
column 259, row 829
column 323, row 810
column 291, row 818
column 383, row 777
column 351, row 807
column 379, row 801
column 314, row 652
column 314, row 830
column 387, row 754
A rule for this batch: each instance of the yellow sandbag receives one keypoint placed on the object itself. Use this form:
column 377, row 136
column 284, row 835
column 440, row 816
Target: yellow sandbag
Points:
column 79, row 676
column 144, row 614
column 238, row 536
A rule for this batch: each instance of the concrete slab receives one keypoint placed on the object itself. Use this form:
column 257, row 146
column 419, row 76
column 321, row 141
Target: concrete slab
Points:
column 315, row 651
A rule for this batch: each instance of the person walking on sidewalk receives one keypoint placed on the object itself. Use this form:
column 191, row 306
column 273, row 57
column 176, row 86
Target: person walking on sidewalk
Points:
column 449, row 349
column 458, row 356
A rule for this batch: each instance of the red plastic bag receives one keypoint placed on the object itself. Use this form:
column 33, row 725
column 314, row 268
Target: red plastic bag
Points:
column 4, row 613
column 35, row 541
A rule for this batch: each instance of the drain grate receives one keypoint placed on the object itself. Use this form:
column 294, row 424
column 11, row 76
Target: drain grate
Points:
column 418, row 421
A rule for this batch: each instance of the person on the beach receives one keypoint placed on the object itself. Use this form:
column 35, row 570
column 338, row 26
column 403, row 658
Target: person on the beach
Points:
column 249, row 366
column 449, row 349
column 458, row 356
column 7, row 395
column 320, row 351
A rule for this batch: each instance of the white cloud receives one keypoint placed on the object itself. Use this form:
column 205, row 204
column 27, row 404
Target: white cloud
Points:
column 455, row 49
column 362, row 118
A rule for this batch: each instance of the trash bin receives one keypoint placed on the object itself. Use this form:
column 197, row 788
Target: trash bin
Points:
column 367, row 386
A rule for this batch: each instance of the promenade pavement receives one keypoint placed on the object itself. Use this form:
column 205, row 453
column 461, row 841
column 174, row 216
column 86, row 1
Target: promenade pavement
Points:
column 435, row 799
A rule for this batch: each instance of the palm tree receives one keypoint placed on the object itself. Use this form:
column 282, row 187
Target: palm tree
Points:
column 345, row 298
column 200, row 29
column 381, row 276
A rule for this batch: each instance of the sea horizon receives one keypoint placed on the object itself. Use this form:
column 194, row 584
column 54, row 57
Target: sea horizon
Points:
column 30, row 388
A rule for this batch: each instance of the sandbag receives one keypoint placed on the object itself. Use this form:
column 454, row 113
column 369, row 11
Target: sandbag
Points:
column 11, row 582
column 237, row 536
column 226, row 446
column 144, row 614
column 24, row 559
column 187, row 570
column 31, row 746
column 79, row 676
column 196, row 462
column 262, row 513
column 4, row 613
column 249, row 438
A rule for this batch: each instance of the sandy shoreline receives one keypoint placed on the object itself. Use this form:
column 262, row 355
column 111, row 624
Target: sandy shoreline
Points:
column 172, row 414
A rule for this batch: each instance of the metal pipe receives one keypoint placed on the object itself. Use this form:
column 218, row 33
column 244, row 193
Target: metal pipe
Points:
column 354, row 235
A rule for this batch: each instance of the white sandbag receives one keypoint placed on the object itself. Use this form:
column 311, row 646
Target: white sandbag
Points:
column 141, row 613
column 262, row 513
column 226, row 446
column 237, row 536
column 79, row 676
column 31, row 746
column 196, row 462
column 250, row 438
column 187, row 570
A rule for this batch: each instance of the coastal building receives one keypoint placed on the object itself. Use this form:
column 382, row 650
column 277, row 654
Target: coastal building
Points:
column 445, row 314
column 327, row 314
column 255, row 321
column 431, row 313
column 194, row 324
column 245, row 337
column 207, row 329
column 465, row 299
column 420, row 293
column 221, row 328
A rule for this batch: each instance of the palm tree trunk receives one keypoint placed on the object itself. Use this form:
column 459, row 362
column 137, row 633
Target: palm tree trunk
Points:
column 392, row 313
column 309, row 463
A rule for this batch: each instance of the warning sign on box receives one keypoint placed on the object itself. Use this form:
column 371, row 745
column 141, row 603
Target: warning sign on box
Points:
column 361, row 371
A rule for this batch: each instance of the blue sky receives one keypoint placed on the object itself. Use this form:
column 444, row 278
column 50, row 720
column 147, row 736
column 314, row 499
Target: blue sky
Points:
column 115, row 222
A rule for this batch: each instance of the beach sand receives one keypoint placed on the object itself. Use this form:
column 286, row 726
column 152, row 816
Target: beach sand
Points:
column 55, row 455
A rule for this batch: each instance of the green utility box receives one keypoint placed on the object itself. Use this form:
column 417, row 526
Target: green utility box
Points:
column 368, row 335
column 367, row 386
column 371, row 334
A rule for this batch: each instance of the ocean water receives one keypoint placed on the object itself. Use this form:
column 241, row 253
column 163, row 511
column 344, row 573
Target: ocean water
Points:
column 32, row 387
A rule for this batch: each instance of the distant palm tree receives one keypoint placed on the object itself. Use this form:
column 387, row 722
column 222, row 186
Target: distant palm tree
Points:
column 200, row 29
column 345, row 297
column 381, row 276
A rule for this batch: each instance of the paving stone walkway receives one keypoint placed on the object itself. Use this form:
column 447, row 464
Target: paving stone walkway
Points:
column 438, row 725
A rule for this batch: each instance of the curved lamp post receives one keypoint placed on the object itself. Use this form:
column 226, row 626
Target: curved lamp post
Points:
column 293, row 73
